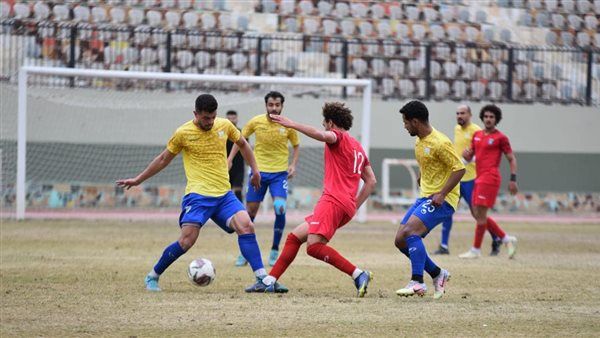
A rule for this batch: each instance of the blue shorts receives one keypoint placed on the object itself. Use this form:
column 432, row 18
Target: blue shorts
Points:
column 428, row 214
column 466, row 191
column 198, row 209
column 276, row 182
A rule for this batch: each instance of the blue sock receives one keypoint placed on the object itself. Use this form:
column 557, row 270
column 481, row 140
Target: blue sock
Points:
column 432, row 269
column 417, row 253
column 170, row 255
column 250, row 251
column 446, row 227
column 278, row 230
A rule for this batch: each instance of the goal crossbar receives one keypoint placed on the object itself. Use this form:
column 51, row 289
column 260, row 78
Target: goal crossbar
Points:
column 25, row 71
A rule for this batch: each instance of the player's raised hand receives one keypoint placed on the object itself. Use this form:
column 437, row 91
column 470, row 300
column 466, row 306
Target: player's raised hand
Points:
column 127, row 183
column 291, row 171
column 284, row 121
column 255, row 180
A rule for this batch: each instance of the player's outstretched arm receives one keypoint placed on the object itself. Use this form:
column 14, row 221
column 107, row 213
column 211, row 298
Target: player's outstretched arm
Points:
column 158, row 164
column 248, row 156
column 513, row 188
column 368, row 177
column 310, row 131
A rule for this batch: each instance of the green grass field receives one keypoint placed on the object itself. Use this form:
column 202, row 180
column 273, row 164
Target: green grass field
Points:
column 74, row 278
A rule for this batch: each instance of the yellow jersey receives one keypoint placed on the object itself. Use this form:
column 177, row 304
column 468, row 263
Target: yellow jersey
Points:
column 271, row 145
column 205, row 156
column 462, row 141
column 437, row 160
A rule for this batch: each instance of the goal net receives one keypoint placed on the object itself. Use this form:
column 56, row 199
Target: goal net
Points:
column 68, row 134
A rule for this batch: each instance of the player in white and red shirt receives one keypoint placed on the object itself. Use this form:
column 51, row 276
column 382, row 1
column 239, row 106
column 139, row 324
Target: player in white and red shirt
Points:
column 345, row 165
column 487, row 146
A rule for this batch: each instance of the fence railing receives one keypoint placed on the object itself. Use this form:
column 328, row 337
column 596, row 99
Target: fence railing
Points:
column 427, row 70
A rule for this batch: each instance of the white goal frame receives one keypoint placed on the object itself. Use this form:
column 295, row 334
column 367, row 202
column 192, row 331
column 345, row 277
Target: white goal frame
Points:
column 25, row 71
column 410, row 165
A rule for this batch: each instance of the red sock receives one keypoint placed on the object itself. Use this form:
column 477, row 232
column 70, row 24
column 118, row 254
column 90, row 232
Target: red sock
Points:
column 479, row 232
column 495, row 229
column 288, row 254
column 328, row 255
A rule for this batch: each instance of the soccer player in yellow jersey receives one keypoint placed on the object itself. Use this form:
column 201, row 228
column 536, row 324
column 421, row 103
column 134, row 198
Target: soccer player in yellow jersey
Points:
column 272, row 155
column 208, row 192
column 463, row 134
column 440, row 171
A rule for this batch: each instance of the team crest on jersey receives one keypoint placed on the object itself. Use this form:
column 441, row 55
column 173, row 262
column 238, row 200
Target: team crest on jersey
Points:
column 491, row 141
column 221, row 133
column 282, row 130
column 426, row 150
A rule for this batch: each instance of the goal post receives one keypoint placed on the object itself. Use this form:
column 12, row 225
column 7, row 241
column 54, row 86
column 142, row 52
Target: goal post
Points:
column 386, row 195
column 26, row 72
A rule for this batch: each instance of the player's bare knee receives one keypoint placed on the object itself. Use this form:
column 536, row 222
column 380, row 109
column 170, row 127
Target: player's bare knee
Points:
column 241, row 223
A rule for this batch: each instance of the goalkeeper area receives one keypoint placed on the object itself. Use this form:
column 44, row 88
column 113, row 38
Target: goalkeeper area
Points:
column 72, row 278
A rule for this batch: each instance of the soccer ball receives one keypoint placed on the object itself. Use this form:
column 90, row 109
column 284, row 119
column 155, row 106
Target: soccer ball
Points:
column 201, row 272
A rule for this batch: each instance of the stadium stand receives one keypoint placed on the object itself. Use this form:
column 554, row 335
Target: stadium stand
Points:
column 440, row 48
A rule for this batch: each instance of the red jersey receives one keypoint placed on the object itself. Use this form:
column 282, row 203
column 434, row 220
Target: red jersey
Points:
column 488, row 153
column 344, row 162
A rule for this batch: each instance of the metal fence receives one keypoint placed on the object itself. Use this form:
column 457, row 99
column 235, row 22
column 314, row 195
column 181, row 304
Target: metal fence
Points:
column 426, row 70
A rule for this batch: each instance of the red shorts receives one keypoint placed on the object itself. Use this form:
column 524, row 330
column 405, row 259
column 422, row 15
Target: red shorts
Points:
column 485, row 194
column 327, row 217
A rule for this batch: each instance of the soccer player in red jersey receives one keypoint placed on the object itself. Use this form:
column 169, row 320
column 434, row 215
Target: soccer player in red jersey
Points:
column 487, row 146
column 345, row 165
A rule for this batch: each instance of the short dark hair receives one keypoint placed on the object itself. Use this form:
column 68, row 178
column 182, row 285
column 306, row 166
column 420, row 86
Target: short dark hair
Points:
column 415, row 110
column 274, row 95
column 231, row 112
column 206, row 103
column 492, row 108
column 339, row 114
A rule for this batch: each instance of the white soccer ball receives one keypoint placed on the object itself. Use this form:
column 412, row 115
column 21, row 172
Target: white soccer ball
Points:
column 201, row 272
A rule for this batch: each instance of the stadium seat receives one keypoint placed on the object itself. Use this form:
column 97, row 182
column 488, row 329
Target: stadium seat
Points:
column 407, row 49
column 597, row 39
column 190, row 20
column 225, row 22
column 358, row 9
column 141, row 34
column 431, row 15
column 154, row 18
column 221, row 60
column 558, row 21
column 435, row 69
column 535, row 4
column 396, row 68
column 80, row 13
column 324, row 8
column 459, row 90
column 311, row 26
column 378, row 67
column 551, row 38
column 384, row 29
column 231, row 43
column 437, row 32
column 159, row 37
column 419, row 32
column 287, row 7
column 526, row 19
column 148, row 56
column 566, row 91
column 488, row 34
column 442, row 51
column 268, row 6
column 348, row 27
column 395, row 12
column 412, row 13
column 575, row 22
column 557, row 72
column 551, row 5
column 549, row 91
column 239, row 62
column 464, row 15
column 131, row 55
column 495, row 89
column 184, row 4
column 172, row 18
column 567, row 38
column 59, row 13
column 21, row 11
column 480, row 16
column 330, row 27
column 377, row 11
column 5, row 8
column 421, row 86
column 454, row 33
column 334, row 47
column 568, row 5
column 488, row 71
column 213, row 41
column 441, row 89
column 448, row 13
column 359, row 67
column 117, row 15
column 472, row 34
column 538, row 71
column 496, row 54
column 41, row 11
column 597, row 7
column 522, row 72
column 477, row 90
column 402, row 31
column 542, row 19
column 518, row 3
column 371, row 47
column 583, row 39
column 517, row 91
column 209, row 21
column 388, row 87
column 591, row 22
column 99, row 14
column 306, row 7
column 450, row 69
column 469, row 70
column 202, row 59
column 194, row 40
column 365, row 28
column 415, row 68
column 407, row 88
column 178, row 40
column 531, row 91
column 135, row 16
